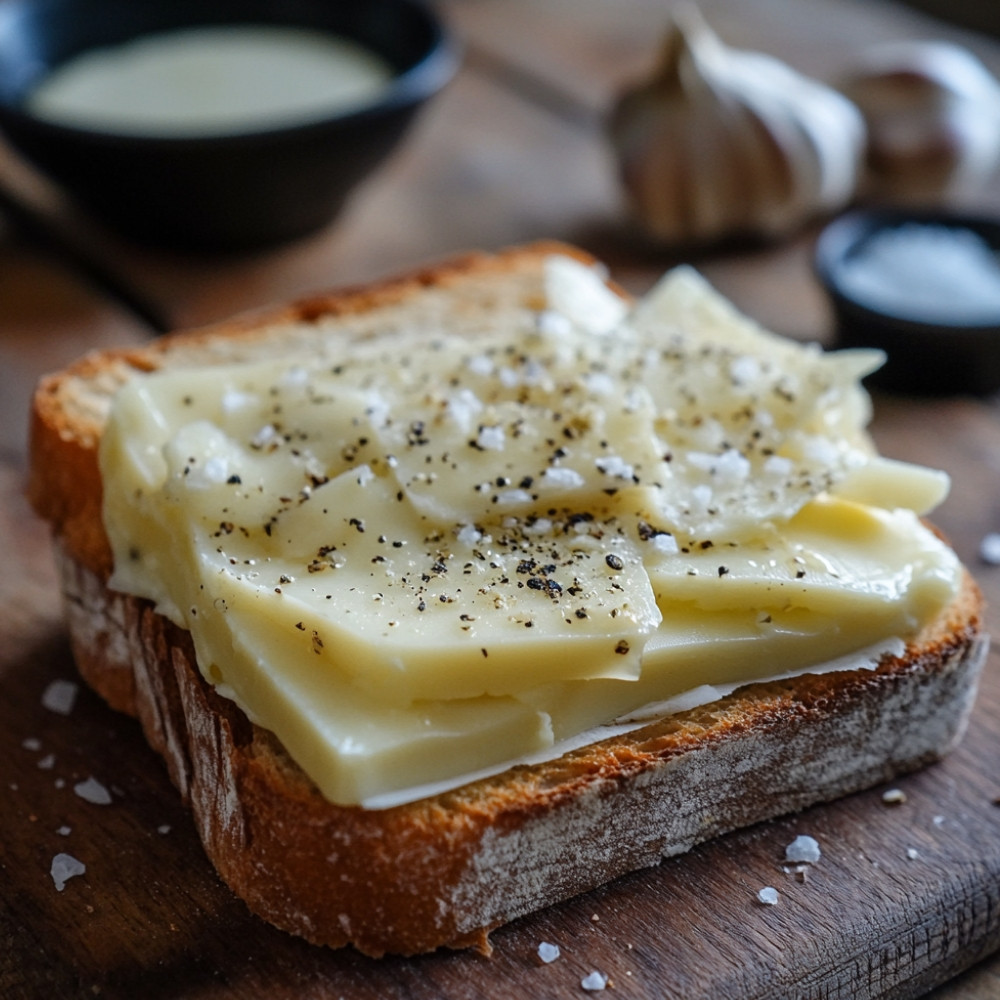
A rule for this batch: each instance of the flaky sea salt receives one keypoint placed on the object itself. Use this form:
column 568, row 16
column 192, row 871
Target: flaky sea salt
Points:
column 768, row 895
column 559, row 478
column 594, row 982
column 912, row 853
column 469, row 534
column 548, row 952
column 93, row 791
column 47, row 762
column 64, row 867
column 64, row 831
column 989, row 549
column 894, row 797
column 60, row 697
column 667, row 544
column 480, row 364
column 615, row 466
column 491, row 437
column 31, row 743
column 803, row 850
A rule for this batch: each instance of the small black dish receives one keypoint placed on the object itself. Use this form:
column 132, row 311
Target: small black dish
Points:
column 221, row 192
column 921, row 286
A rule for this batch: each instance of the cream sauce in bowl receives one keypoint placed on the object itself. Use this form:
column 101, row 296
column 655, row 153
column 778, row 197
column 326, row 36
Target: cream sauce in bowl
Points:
column 212, row 81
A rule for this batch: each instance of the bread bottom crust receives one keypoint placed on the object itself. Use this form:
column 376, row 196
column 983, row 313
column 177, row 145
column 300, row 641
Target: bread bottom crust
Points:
column 446, row 870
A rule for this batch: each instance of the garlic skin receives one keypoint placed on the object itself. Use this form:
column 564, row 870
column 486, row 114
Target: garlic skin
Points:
column 932, row 110
column 724, row 143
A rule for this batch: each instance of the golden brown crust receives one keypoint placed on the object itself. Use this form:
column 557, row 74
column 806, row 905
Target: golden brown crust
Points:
column 445, row 870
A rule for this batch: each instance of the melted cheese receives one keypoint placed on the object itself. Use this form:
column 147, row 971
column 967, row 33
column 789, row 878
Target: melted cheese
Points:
column 442, row 552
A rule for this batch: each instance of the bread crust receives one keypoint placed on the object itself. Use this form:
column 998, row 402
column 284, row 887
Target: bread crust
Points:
column 447, row 869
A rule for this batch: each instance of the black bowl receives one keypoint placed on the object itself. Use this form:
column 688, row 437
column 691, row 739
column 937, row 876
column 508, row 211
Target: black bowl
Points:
column 227, row 191
column 951, row 347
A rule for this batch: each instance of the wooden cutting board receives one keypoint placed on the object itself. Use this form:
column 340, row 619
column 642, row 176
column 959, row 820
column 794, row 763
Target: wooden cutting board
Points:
column 903, row 897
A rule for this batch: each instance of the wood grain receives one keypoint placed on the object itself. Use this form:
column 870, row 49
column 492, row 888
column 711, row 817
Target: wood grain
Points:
column 512, row 151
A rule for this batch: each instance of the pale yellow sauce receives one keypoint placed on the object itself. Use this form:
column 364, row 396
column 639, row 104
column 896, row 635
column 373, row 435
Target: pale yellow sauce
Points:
column 212, row 80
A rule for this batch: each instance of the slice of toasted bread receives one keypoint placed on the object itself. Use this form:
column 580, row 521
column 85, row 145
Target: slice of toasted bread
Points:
column 444, row 870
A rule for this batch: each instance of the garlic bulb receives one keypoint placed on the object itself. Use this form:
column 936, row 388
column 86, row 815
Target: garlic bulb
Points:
column 724, row 143
column 933, row 116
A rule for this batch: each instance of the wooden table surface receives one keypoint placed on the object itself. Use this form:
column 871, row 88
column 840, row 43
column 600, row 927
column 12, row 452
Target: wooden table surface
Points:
column 512, row 151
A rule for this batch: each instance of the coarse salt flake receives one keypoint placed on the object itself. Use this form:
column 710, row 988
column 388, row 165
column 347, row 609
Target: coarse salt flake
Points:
column 480, row 364
column 554, row 324
column 31, row 743
column 777, row 465
column 60, row 696
column 64, row 831
column 507, row 498
column 509, row 377
column 912, row 853
column 233, row 400
column 548, row 952
column 732, row 467
column 468, row 534
column 93, row 791
column 744, row 369
column 463, row 407
column 664, row 543
column 615, row 466
column 989, row 549
column 803, row 849
column 47, row 762
column 264, row 436
column 563, row 479
column 599, row 383
column 894, row 797
column 541, row 526
column 64, row 867
column 768, row 895
column 594, row 982
column 491, row 437
column 214, row 471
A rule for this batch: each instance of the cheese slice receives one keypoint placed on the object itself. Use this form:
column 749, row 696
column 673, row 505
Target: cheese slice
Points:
column 438, row 551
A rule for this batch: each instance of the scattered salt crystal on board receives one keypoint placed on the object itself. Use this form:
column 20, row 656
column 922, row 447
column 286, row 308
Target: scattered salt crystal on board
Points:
column 768, row 895
column 93, row 791
column 64, row 831
column 31, row 743
column 803, row 849
column 894, row 797
column 912, row 853
column 548, row 952
column 989, row 549
column 595, row 982
column 47, row 762
column 64, row 867
column 60, row 696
